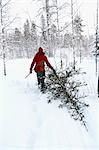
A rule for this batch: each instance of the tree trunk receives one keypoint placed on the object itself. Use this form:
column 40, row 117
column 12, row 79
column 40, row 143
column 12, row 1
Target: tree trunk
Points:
column 2, row 37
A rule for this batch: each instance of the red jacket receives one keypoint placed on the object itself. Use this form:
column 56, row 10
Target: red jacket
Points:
column 38, row 61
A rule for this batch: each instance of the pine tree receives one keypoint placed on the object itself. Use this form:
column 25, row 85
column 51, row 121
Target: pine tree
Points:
column 27, row 30
column 18, row 43
column 67, row 40
column 43, row 38
column 66, row 88
column 27, row 37
column 53, row 35
column 77, row 24
column 33, row 40
column 44, row 34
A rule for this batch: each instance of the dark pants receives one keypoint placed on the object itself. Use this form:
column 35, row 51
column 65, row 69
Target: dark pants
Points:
column 41, row 78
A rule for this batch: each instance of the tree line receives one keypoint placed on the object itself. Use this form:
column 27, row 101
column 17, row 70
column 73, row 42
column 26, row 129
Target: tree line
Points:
column 24, row 43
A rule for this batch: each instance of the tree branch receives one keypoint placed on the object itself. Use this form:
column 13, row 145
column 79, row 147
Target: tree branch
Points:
column 9, row 23
column 6, row 3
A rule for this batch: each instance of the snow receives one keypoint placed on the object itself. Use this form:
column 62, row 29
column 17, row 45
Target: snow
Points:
column 28, row 122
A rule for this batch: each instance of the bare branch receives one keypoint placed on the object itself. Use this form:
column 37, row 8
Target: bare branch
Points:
column 71, row 21
column 6, row 3
column 31, row 20
column 9, row 23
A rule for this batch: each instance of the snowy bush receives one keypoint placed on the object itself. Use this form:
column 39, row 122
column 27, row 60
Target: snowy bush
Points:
column 66, row 88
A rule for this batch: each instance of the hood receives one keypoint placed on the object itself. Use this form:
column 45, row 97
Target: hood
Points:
column 40, row 51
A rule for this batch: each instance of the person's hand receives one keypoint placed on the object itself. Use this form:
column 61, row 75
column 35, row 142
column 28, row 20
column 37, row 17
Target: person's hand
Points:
column 54, row 71
column 30, row 70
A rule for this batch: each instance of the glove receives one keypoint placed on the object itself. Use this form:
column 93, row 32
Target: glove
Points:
column 54, row 71
column 30, row 70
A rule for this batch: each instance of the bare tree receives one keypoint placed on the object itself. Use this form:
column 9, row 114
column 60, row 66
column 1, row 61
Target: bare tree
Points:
column 47, row 16
column 55, row 3
column 2, row 35
column 97, row 38
column 4, row 23
column 47, row 8
column 72, row 19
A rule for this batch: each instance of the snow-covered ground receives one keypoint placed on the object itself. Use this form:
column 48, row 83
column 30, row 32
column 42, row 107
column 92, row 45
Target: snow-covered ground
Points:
column 28, row 122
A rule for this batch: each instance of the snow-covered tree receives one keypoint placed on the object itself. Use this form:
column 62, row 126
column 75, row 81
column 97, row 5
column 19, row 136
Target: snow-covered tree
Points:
column 52, row 16
column 67, row 40
column 43, row 37
column 43, row 26
column 27, row 37
column 77, row 24
column 4, row 23
column 27, row 30
column 53, row 36
column 66, row 88
column 33, row 38
column 48, row 20
column 47, row 7
column 18, row 43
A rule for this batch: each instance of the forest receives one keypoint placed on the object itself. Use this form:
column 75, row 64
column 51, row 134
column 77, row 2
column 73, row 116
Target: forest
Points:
column 23, row 41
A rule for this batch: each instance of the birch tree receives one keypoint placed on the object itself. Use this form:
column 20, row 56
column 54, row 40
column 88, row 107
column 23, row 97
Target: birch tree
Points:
column 5, row 22
column 97, row 37
column 2, row 31
column 47, row 8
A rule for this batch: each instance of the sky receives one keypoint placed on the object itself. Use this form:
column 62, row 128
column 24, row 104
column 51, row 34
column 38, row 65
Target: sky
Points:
column 29, row 9
column 88, row 13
